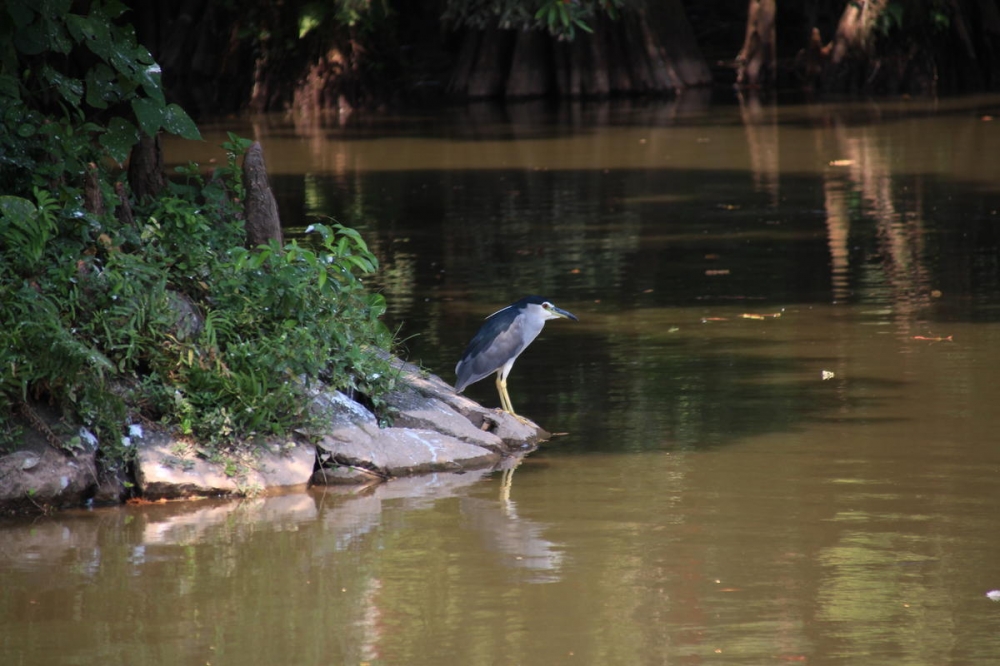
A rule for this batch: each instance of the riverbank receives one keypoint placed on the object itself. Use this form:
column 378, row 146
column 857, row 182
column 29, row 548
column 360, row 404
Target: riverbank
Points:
column 434, row 430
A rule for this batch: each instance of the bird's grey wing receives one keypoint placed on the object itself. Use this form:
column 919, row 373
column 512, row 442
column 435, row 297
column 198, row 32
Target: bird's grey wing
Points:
column 489, row 351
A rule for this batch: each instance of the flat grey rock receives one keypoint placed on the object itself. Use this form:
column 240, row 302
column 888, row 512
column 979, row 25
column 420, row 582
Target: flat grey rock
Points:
column 406, row 451
column 167, row 469
column 422, row 412
column 44, row 476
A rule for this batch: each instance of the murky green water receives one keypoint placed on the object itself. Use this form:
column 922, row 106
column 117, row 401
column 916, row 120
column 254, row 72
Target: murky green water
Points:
column 715, row 500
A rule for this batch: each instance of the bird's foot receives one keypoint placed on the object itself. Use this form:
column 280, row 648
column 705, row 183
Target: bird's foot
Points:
column 522, row 419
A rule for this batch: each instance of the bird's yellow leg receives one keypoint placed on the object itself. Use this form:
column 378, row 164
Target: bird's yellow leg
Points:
column 505, row 403
column 504, row 397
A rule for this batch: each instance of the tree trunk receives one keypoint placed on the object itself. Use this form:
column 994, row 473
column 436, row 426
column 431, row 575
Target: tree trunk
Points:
column 262, row 221
column 919, row 48
column 592, row 60
column 854, row 30
column 677, row 46
column 530, row 73
column 93, row 201
column 465, row 64
column 756, row 63
column 489, row 75
column 145, row 168
column 624, row 56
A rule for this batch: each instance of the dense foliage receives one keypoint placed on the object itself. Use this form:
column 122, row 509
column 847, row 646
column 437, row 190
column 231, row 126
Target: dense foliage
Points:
column 561, row 19
column 118, row 310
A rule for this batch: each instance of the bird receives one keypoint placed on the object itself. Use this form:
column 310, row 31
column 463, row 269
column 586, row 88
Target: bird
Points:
column 501, row 339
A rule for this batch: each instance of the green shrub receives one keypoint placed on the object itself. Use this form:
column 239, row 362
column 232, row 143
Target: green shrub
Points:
column 164, row 315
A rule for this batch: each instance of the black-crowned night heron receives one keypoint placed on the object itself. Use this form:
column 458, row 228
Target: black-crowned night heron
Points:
column 501, row 339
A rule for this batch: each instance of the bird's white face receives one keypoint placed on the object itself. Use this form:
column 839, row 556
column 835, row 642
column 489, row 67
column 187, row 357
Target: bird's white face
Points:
column 550, row 311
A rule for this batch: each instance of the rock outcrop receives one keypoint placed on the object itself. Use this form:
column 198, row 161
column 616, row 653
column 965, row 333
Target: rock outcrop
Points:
column 434, row 430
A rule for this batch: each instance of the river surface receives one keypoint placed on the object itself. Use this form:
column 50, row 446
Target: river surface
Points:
column 778, row 417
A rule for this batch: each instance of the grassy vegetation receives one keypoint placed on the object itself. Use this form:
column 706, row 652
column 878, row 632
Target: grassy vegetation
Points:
column 161, row 315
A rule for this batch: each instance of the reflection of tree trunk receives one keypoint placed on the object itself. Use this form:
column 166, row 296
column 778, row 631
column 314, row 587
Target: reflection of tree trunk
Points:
column 756, row 63
column 838, row 227
column 761, row 126
column 900, row 232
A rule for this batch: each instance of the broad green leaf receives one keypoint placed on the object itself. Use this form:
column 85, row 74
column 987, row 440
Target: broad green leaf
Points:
column 9, row 86
column 102, row 86
column 150, row 115
column 21, row 11
column 98, row 36
column 177, row 121
column 16, row 207
column 80, row 28
column 71, row 89
column 147, row 73
column 114, row 8
column 56, row 8
column 119, row 138
column 31, row 40
column 59, row 41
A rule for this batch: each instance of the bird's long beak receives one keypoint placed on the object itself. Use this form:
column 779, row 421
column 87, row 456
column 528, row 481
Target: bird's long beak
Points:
column 563, row 313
